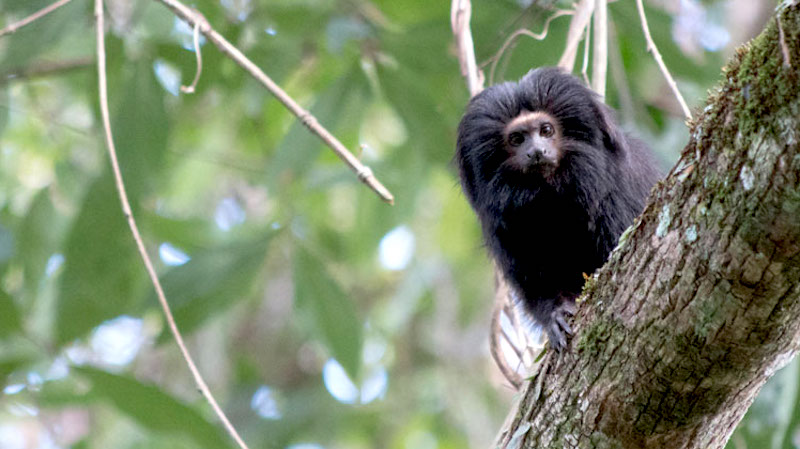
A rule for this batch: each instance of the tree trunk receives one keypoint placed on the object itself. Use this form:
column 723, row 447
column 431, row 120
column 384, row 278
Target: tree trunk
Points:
column 698, row 306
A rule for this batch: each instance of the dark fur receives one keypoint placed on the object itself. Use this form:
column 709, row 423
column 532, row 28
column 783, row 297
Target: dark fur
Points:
column 546, row 232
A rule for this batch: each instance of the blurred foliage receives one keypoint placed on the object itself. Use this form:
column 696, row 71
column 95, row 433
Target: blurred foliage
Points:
column 320, row 316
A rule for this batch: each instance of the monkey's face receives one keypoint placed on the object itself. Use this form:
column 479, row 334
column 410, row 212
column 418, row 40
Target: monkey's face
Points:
column 547, row 131
column 532, row 141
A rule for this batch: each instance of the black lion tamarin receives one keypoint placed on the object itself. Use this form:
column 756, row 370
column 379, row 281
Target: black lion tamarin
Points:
column 555, row 182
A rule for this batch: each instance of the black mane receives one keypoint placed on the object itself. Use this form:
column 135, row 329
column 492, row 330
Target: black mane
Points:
column 545, row 232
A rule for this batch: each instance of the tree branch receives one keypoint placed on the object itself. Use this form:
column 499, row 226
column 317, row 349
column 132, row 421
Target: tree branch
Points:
column 600, row 55
column 10, row 29
column 524, row 32
column 651, row 47
column 460, row 13
column 363, row 172
column 700, row 303
column 586, row 45
column 126, row 209
column 198, row 57
column 583, row 14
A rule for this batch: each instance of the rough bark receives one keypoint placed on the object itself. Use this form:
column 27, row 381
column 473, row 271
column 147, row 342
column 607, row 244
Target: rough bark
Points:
column 700, row 303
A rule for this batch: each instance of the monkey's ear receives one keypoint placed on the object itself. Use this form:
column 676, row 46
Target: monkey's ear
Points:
column 613, row 137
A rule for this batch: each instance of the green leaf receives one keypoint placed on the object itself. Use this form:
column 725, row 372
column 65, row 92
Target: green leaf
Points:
column 141, row 128
column 406, row 13
column 332, row 313
column 212, row 281
column 9, row 364
column 152, row 408
column 7, row 244
column 187, row 234
column 417, row 106
column 39, row 236
column 102, row 271
column 9, row 315
column 340, row 104
column 5, row 100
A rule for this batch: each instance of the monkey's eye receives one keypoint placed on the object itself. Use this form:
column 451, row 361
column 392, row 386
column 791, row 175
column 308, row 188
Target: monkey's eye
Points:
column 546, row 130
column 516, row 139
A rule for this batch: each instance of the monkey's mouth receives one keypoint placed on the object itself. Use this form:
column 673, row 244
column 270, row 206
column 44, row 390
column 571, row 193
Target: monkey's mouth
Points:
column 538, row 165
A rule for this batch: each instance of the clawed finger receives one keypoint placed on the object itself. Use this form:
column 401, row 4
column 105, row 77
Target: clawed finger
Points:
column 557, row 339
column 569, row 307
column 561, row 321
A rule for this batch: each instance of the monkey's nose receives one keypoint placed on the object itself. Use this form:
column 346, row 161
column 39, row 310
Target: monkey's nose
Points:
column 534, row 153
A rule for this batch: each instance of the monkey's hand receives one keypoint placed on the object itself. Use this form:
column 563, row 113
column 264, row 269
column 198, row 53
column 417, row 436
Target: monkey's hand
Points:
column 551, row 313
column 557, row 324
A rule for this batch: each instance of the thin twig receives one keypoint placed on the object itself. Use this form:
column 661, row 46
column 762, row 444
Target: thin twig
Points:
column 787, row 60
column 502, row 304
column 651, row 47
column 523, row 32
column 363, row 172
column 190, row 88
column 600, row 55
column 35, row 16
column 126, row 209
column 495, row 345
column 586, row 46
column 460, row 14
column 583, row 13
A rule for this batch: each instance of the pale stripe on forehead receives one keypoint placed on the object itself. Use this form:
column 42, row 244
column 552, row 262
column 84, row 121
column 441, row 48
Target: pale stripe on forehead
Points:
column 527, row 117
